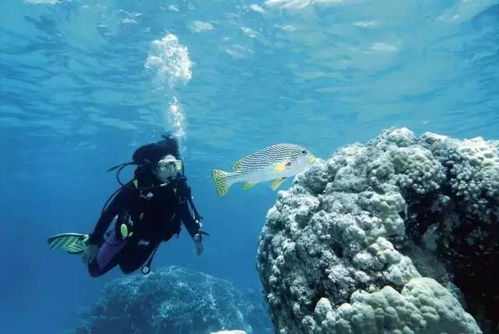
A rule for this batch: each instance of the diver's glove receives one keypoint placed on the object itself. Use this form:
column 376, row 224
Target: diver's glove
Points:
column 198, row 244
column 90, row 252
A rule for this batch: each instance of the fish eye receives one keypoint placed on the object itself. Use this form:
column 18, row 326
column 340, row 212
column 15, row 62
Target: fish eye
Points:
column 304, row 151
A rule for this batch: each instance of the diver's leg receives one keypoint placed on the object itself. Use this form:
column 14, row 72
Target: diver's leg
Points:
column 108, row 255
column 136, row 254
column 95, row 271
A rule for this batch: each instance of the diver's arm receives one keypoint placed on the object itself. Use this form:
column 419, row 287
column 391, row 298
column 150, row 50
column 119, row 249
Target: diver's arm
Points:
column 190, row 222
column 107, row 217
column 190, row 216
column 187, row 212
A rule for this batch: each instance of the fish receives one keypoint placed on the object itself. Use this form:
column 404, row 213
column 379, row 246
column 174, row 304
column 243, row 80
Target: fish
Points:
column 276, row 162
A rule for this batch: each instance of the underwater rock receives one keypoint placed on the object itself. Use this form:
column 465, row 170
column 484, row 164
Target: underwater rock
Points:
column 173, row 300
column 400, row 235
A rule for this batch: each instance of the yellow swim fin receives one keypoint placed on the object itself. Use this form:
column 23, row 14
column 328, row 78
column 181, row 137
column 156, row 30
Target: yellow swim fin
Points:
column 277, row 183
column 73, row 243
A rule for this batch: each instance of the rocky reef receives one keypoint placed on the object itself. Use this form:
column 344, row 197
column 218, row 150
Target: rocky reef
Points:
column 399, row 235
column 173, row 300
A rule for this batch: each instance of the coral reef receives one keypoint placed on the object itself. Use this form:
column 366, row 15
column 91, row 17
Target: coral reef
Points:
column 173, row 300
column 400, row 235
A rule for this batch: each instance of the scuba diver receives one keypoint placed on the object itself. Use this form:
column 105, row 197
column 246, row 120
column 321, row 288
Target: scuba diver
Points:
column 146, row 211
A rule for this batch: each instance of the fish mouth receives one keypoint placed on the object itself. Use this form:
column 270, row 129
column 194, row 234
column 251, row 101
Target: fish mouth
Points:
column 311, row 159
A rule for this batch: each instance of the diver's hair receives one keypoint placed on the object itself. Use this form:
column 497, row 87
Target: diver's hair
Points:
column 145, row 176
column 171, row 143
column 150, row 154
column 147, row 156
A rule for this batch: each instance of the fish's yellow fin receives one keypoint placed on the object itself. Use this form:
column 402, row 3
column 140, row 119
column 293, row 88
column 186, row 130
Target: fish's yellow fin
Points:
column 277, row 183
column 280, row 167
column 248, row 185
column 237, row 165
column 220, row 179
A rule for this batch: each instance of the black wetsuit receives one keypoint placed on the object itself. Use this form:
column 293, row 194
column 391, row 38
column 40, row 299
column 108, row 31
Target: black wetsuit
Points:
column 156, row 215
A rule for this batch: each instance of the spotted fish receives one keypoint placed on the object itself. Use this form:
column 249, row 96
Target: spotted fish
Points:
column 276, row 162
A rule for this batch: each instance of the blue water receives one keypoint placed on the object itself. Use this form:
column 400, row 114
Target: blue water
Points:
column 84, row 83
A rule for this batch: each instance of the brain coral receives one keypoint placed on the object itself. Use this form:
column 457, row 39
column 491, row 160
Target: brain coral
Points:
column 399, row 235
column 173, row 300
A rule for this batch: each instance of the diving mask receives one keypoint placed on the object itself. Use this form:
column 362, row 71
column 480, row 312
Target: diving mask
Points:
column 169, row 167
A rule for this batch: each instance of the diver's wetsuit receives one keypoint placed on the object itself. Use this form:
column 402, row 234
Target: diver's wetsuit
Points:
column 156, row 215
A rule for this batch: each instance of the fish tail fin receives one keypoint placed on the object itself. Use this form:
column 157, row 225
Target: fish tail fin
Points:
column 221, row 181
